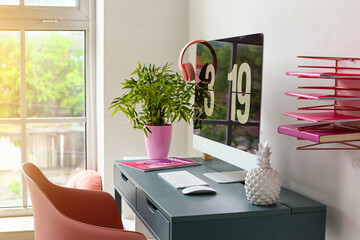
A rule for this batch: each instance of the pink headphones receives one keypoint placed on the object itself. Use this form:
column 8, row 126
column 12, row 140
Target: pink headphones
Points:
column 187, row 69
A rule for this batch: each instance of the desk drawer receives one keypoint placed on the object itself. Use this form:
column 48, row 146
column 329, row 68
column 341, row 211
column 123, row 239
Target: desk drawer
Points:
column 152, row 216
column 126, row 187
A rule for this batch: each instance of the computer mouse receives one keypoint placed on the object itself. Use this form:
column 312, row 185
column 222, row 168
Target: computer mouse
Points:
column 198, row 190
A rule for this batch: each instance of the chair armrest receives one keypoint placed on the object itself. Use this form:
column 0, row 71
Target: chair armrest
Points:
column 70, row 229
column 88, row 206
column 111, row 234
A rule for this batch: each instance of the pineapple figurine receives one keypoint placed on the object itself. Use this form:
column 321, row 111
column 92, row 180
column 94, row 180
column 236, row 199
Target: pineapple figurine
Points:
column 262, row 185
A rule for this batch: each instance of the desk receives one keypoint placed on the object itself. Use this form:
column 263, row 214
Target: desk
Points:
column 169, row 214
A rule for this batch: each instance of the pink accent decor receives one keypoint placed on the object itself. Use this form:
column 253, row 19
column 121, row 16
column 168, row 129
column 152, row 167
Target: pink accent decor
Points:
column 323, row 75
column 320, row 133
column 160, row 163
column 316, row 96
column 304, row 74
column 322, row 117
column 158, row 141
column 86, row 179
column 72, row 214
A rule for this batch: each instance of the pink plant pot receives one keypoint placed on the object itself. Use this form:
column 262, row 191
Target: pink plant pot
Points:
column 158, row 141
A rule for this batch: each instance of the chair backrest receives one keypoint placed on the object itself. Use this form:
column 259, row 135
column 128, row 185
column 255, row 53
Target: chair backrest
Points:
column 46, row 216
column 56, row 219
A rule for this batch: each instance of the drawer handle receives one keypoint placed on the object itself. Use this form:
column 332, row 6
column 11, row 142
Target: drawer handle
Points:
column 123, row 177
column 151, row 206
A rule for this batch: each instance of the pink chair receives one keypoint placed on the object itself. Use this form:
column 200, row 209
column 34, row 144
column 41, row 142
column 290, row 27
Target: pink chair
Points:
column 73, row 214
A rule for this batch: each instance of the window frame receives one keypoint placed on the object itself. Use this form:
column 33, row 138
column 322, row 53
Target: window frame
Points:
column 43, row 18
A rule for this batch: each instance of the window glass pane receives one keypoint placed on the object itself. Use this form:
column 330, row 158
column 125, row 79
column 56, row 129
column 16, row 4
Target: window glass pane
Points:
column 9, row 74
column 10, row 162
column 9, row 2
column 245, row 137
column 55, row 78
column 215, row 132
column 51, row 3
column 58, row 149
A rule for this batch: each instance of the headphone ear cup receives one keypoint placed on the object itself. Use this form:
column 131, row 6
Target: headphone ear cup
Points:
column 189, row 73
column 202, row 73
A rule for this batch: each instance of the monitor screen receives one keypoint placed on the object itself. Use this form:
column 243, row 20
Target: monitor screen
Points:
column 230, row 112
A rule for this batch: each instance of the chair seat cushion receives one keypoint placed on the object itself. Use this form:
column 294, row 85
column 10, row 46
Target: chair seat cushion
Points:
column 86, row 179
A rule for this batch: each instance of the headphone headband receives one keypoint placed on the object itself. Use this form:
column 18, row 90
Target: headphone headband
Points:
column 180, row 63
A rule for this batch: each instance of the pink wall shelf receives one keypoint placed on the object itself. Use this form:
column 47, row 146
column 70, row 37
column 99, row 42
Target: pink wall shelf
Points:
column 337, row 124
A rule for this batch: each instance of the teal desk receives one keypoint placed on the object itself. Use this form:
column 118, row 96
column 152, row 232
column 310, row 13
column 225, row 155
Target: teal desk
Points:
column 168, row 214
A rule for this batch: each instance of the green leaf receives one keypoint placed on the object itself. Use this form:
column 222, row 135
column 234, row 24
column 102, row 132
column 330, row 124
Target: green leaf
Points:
column 145, row 132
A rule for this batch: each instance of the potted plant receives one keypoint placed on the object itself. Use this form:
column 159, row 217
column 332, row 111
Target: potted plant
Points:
column 154, row 101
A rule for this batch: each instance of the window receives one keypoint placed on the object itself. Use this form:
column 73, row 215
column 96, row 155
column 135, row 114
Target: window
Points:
column 44, row 84
column 48, row 3
column 9, row 2
column 57, row 3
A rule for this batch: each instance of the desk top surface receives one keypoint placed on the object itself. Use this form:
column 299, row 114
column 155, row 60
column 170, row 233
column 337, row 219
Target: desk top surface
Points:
column 230, row 200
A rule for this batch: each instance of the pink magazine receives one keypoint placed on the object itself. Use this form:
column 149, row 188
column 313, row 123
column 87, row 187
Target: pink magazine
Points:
column 339, row 75
column 320, row 133
column 163, row 163
column 322, row 117
column 315, row 96
column 323, row 75
column 304, row 74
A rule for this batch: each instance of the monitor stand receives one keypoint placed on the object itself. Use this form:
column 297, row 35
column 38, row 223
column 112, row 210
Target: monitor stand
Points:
column 206, row 156
column 227, row 177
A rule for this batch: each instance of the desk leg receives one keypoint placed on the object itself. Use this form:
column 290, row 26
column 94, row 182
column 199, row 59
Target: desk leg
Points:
column 140, row 227
column 118, row 200
column 127, row 215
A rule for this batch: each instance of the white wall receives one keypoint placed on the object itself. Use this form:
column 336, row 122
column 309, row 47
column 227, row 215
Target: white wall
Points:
column 292, row 28
column 149, row 32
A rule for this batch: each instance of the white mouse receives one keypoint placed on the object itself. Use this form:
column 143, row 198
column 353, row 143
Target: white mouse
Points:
column 198, row 190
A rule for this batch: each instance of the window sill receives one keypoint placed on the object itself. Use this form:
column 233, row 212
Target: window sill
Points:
column 18, row 228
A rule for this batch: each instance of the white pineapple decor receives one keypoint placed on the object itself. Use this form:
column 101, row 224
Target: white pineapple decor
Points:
column 262, row 185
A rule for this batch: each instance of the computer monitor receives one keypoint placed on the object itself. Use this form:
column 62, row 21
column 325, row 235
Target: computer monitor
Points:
column 229, row 128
